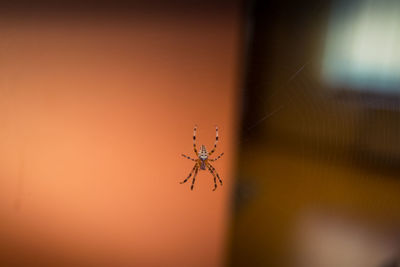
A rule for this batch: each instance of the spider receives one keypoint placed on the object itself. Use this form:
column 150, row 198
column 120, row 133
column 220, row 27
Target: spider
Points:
column 203, row 162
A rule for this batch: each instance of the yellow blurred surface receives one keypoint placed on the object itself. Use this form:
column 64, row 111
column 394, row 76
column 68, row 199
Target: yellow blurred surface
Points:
column 290, row 184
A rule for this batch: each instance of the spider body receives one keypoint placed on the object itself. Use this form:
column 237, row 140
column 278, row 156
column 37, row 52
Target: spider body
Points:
column 203, row 156
column 203, row 161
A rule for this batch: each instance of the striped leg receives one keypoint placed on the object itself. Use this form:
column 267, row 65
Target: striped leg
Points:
column 190, row 174
column 188, row 157
column 216, row 173
column 216, row 158
column 194, row 139
column 215, row 178
column 194, row 178
column 216, row 141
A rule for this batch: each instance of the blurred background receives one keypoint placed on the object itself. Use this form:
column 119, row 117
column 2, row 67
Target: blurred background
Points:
column 98, row 101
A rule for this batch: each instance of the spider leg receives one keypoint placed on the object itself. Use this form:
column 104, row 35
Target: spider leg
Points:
column 216, row 158
column 216, row 141
column 194, row 177
column 216, row 173
column 190, row 174
column 188, row 157
column 194, row 139
column 215, row 178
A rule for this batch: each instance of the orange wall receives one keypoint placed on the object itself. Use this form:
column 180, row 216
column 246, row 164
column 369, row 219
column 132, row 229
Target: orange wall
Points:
column 94, row 115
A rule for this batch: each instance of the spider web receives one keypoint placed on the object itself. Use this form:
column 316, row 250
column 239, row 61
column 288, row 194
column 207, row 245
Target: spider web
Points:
column 264, row 118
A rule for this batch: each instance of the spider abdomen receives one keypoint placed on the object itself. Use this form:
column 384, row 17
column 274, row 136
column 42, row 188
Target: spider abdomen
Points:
column 203, row 155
